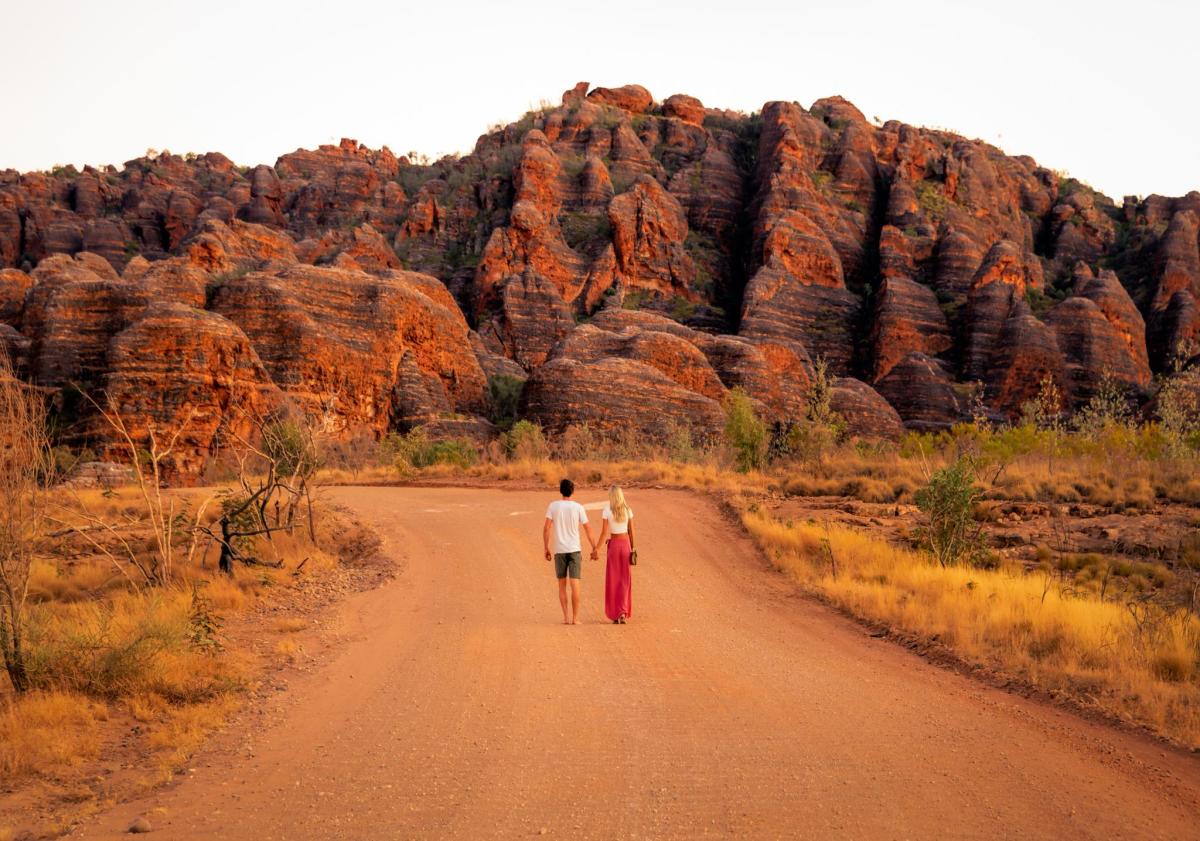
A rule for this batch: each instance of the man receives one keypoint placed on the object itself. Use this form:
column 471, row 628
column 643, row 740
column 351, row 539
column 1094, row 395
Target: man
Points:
column 560, row 536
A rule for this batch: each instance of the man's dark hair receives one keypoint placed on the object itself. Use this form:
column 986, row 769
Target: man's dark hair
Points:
column 566, row 487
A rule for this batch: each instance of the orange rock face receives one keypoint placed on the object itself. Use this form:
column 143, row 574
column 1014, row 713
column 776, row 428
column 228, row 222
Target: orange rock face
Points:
column 648, row 229
column 375, row 352
column 177, row 367
column 632, row 98
column 907, row 320
column 617, row 395
column 14, row 283
column 909, row 258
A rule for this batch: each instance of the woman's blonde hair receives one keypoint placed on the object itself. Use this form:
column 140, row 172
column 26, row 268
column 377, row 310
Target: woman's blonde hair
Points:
column 617, row 505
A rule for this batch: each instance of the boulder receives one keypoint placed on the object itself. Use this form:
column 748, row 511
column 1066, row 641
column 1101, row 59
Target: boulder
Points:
column 367, row 351
column 922, row 391
column 684, row 107
column 866, row 413
column 674, row 356
column 632, row 98
column 616, row 396
column 178, row 369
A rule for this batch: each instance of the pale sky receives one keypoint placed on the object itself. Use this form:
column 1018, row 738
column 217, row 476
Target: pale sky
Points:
column 1103, row 90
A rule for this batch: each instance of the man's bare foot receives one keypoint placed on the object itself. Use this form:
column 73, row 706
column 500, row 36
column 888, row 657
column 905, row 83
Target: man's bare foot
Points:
column 576, row 622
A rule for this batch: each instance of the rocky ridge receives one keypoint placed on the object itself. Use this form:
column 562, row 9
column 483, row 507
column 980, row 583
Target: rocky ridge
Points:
column 634, row 260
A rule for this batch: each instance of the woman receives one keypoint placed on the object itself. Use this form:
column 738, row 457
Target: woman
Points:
column 618, row 578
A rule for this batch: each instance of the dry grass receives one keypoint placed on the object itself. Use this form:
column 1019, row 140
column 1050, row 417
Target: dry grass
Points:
column 127, row 644
column 45, row 731
column 1121, row 468
column 1142, row 667
column 180, row 730
column 99, row 641
column 704, row 476
column 289, row 625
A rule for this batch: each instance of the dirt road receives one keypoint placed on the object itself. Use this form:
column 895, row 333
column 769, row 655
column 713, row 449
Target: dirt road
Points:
column 730, row 706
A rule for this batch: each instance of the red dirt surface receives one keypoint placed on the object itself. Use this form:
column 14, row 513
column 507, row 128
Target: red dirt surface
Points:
column 730, row 706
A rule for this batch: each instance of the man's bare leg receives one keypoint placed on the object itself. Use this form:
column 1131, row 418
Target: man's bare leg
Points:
column 575, row 600
column 562, row 599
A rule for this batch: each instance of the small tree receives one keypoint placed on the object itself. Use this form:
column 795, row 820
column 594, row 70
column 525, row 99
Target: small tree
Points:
column 274, row 478
column 745, row 433
column 820, row 428
column 1108, row 408
column 948, row 502
column 151, row 457
column 24, row 459
column 1045, row 410
column 1178, row 403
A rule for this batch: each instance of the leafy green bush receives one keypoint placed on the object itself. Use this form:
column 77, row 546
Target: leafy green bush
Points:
column 931, row 199
column 460, row 452
column 290, row 446
column 1178, row 403
column 504, row 395
column 951, row 533
column 415, row 449
column 64, row 460
column 821, row 427
column 525, row 442
column 745, row 433
column 681, row 308
column 634, row 299
column 585, row 231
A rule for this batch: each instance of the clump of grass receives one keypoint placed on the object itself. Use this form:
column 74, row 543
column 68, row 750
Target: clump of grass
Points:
column 132, row 643
column 289, row 625
column 178, row 731
column 42, row 732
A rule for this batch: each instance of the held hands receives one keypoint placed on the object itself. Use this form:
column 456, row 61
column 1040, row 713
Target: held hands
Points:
column 595, row 553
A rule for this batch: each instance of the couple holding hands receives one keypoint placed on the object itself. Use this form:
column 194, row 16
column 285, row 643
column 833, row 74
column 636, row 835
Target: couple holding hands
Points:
column 560, row 537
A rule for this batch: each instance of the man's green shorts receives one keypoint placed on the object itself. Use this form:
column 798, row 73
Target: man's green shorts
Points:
column 568, row 563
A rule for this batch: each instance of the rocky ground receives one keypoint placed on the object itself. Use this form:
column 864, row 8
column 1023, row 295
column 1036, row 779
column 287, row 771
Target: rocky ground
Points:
column 632, row 259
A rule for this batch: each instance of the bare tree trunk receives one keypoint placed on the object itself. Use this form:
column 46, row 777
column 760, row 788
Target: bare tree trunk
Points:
column 14, row 655
column 24, row 465
column 226, row 561
column 312, row 529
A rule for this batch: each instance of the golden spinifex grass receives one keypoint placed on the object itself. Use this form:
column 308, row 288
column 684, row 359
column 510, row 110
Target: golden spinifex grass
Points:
column 48, row 730
column 1139, row 664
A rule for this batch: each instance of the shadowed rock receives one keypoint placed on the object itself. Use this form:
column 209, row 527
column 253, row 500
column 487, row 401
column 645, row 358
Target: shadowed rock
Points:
column 923, row 393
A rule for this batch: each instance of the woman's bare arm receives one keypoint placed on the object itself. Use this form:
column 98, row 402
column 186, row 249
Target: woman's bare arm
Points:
column 630, row 534
column 603, row 537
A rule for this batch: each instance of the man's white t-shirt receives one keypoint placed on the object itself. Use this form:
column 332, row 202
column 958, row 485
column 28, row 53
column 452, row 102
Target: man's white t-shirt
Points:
column 566, row 516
